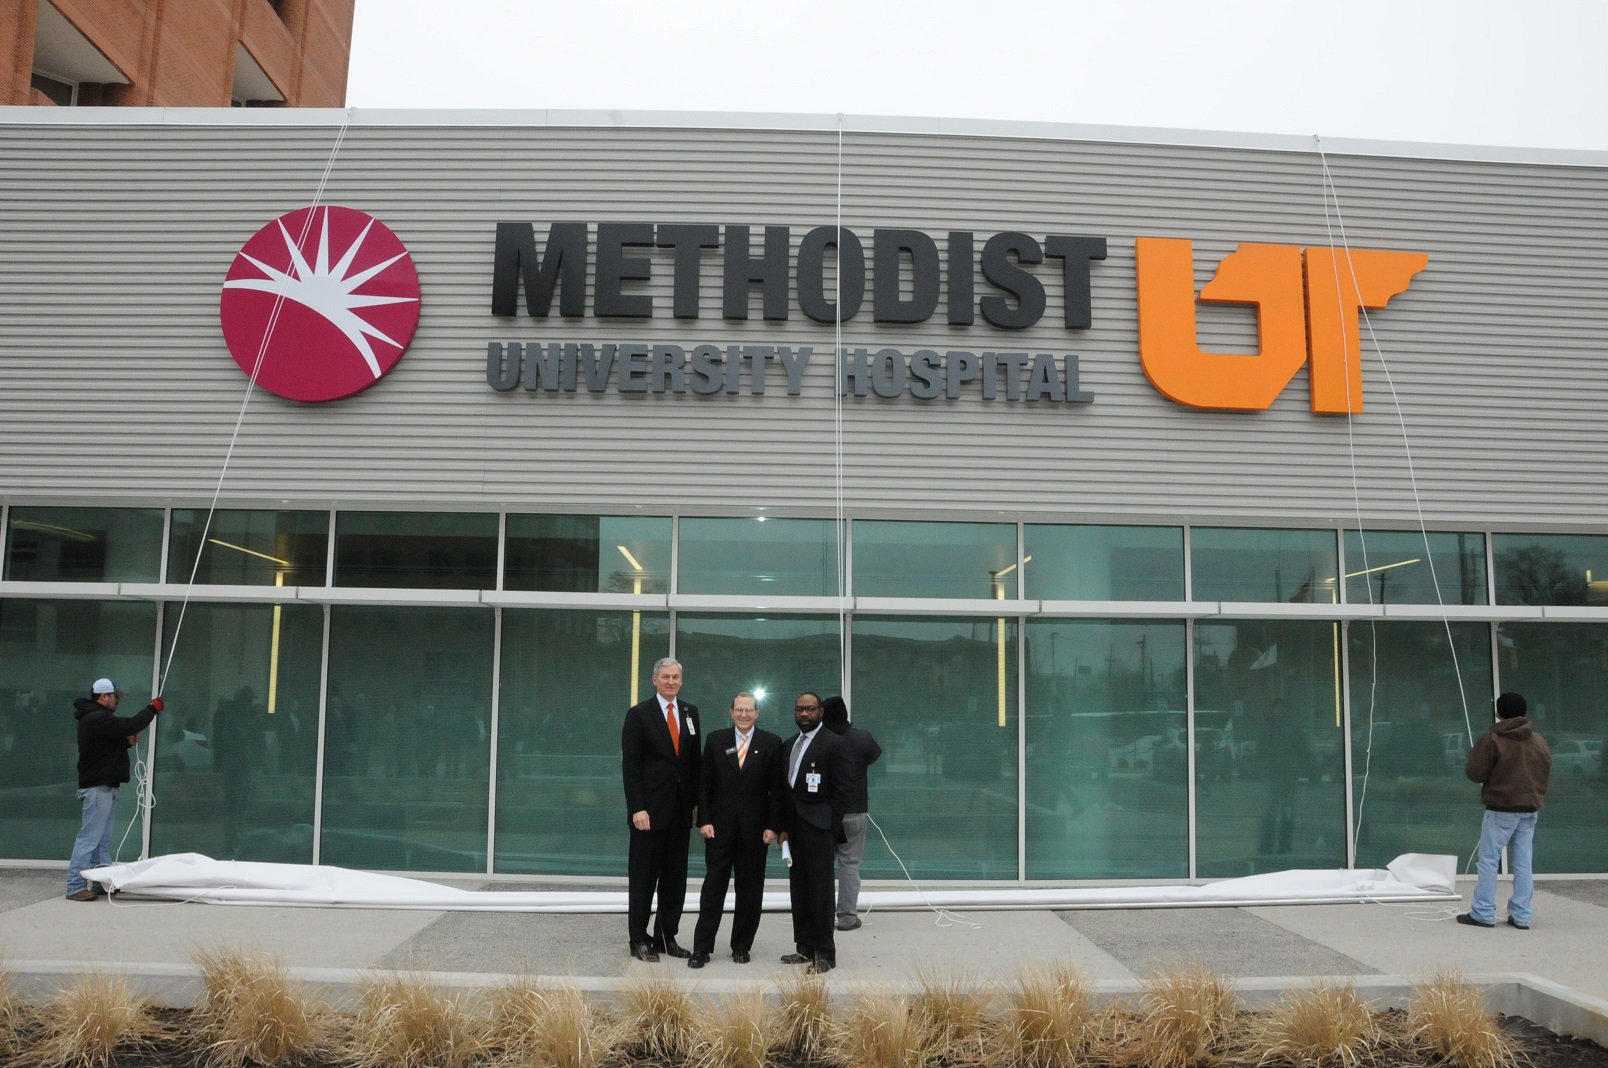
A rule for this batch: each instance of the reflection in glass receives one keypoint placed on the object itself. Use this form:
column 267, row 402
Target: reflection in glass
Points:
column 774, row 658
column 567, row 679
column 1562, row 671
column 84, row 545
column 1106, row 796
column 1409, row 735
column 763, row 556
column 1295, row 566
column 415, row 550
column 50, row 653
column 940, row 696
column 1392, row 567
column 934, row 559
column 1099, row 563
column 249, row 548
column 1551, row 569
column 588, row 554
column 237, row 747
column 407, row 738
column 1269, row 771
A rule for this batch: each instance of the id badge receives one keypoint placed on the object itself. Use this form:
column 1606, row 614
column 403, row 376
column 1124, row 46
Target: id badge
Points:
column 812, row 782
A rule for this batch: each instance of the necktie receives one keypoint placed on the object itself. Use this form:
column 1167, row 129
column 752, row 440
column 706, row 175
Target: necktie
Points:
column 798, row 757
column 671, row 721
column 742, row 750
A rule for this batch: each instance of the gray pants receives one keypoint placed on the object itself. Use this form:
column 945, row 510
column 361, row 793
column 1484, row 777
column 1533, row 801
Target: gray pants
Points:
column 849, row 855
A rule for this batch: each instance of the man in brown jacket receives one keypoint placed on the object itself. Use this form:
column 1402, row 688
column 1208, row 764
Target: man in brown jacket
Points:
column 1513, row 765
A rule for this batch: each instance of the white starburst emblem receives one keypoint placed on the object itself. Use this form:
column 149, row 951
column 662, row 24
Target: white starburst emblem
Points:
column 329, row 289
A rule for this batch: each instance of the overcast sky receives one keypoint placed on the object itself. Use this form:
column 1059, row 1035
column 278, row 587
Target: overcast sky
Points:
column 1522, row 72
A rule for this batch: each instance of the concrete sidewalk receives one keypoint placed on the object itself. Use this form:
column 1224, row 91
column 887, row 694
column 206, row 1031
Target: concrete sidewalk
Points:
column 1267, row 948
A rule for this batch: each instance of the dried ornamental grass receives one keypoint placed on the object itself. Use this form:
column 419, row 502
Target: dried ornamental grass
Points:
column 881, row 1031
column 565, row 1032
column 1324, row 1027
column 660, row 1018
column 736, row 1033
column 404, row 1021
column 518, row 1009
column 1447, row 1016
column 252, row 1012
column 803, row 1027
column 1186, row 1013
column 1049, row 1020
column 952, row 1013
column 90, row 1020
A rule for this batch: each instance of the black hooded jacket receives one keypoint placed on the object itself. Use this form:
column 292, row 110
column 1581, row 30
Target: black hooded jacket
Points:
column 103, row 742
column 862, row 747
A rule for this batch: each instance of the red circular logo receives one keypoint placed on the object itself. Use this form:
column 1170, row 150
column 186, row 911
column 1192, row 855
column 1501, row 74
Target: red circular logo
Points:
column 320, row 303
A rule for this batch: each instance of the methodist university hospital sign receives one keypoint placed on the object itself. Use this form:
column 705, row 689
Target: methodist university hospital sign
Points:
column 1307, row 303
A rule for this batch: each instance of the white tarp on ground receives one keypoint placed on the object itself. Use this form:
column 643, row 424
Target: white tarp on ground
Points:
column 193, row 877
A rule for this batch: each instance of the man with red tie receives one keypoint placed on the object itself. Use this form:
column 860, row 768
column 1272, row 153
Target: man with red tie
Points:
column 739, row 812
column 659, row 762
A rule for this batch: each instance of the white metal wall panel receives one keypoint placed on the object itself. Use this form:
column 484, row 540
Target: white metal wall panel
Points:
column 116, row 387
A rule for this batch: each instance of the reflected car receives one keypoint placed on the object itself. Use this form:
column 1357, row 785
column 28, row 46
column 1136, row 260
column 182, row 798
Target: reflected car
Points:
column 1578, row 759
column 192, row 752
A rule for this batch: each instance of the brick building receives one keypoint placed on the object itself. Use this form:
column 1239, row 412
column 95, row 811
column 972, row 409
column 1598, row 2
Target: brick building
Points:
column 175, row 53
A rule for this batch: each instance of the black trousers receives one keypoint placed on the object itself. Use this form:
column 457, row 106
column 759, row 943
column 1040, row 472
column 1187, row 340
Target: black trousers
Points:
column 656, row 863
column 721, row 858
column 810, row 887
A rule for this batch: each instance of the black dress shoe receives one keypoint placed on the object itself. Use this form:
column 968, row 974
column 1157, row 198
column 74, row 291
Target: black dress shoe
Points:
column 739, row 956
column 1515, row 923
column 644, row 951
column 1468, row 918
column 697, row 960
column 796, row 958
column 673, row 950
column 822, row 965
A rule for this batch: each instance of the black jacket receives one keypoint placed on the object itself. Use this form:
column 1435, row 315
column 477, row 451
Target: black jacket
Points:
column 824, row 806
column 103, row 742
column 863, row 752
column 656, row 780
column 745, row 801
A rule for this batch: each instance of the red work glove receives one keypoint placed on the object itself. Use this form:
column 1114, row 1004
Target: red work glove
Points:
column 156, row 703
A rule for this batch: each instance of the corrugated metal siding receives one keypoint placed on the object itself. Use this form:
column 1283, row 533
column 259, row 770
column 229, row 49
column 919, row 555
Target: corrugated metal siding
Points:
column 115, row 384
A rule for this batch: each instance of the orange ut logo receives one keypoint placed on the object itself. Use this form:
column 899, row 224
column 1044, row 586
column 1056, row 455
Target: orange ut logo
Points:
column 1306, row 310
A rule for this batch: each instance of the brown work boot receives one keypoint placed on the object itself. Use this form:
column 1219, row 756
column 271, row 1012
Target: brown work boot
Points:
column 86, row 894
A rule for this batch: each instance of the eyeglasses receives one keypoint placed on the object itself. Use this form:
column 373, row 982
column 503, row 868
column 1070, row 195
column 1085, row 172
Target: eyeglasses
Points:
column 805, row 708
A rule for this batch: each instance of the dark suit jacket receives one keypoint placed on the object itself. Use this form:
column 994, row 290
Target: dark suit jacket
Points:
column 656, row 780
column 829, row 758
column 741, row 801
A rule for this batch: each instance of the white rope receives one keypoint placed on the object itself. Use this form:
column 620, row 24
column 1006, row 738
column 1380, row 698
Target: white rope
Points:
column 837, row 430
column 142, row 780
column 1331, row 195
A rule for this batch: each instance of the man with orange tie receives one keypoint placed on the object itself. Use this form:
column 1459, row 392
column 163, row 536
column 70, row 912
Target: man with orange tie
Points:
column 739, row 812
column 659, row 761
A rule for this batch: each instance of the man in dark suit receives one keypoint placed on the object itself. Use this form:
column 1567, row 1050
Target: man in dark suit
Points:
column 815, row 772
column 659, row 761
column 739, row 809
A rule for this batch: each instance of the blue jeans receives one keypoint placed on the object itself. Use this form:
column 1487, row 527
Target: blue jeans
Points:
column 1515, row 830
column 93, row 846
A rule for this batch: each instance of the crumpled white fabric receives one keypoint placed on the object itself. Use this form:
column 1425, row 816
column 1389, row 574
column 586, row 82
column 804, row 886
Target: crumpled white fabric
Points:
column 194, row 877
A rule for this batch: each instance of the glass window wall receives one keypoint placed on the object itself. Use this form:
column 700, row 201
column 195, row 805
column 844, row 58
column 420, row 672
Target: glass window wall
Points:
column 759, row 557
column 773, row 657
column 407, row 738
column 237, row 745
column 50, row 654
column 1104, row 701
column 84, row 545
column 934, row 559
column 411, row 550
column 1551, row 569
column 1562, row 671
column 940, row 696
column 1410, row 689
column 249, row 548
column 588, row 554
column 1394, row 567
column 567, row 679
column 1269, row 770
column 1100, row 563
column 1295, row 566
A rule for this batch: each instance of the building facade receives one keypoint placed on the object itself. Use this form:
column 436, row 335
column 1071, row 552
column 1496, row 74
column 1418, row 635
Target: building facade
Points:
column 1169, row 505
column 203, row 53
